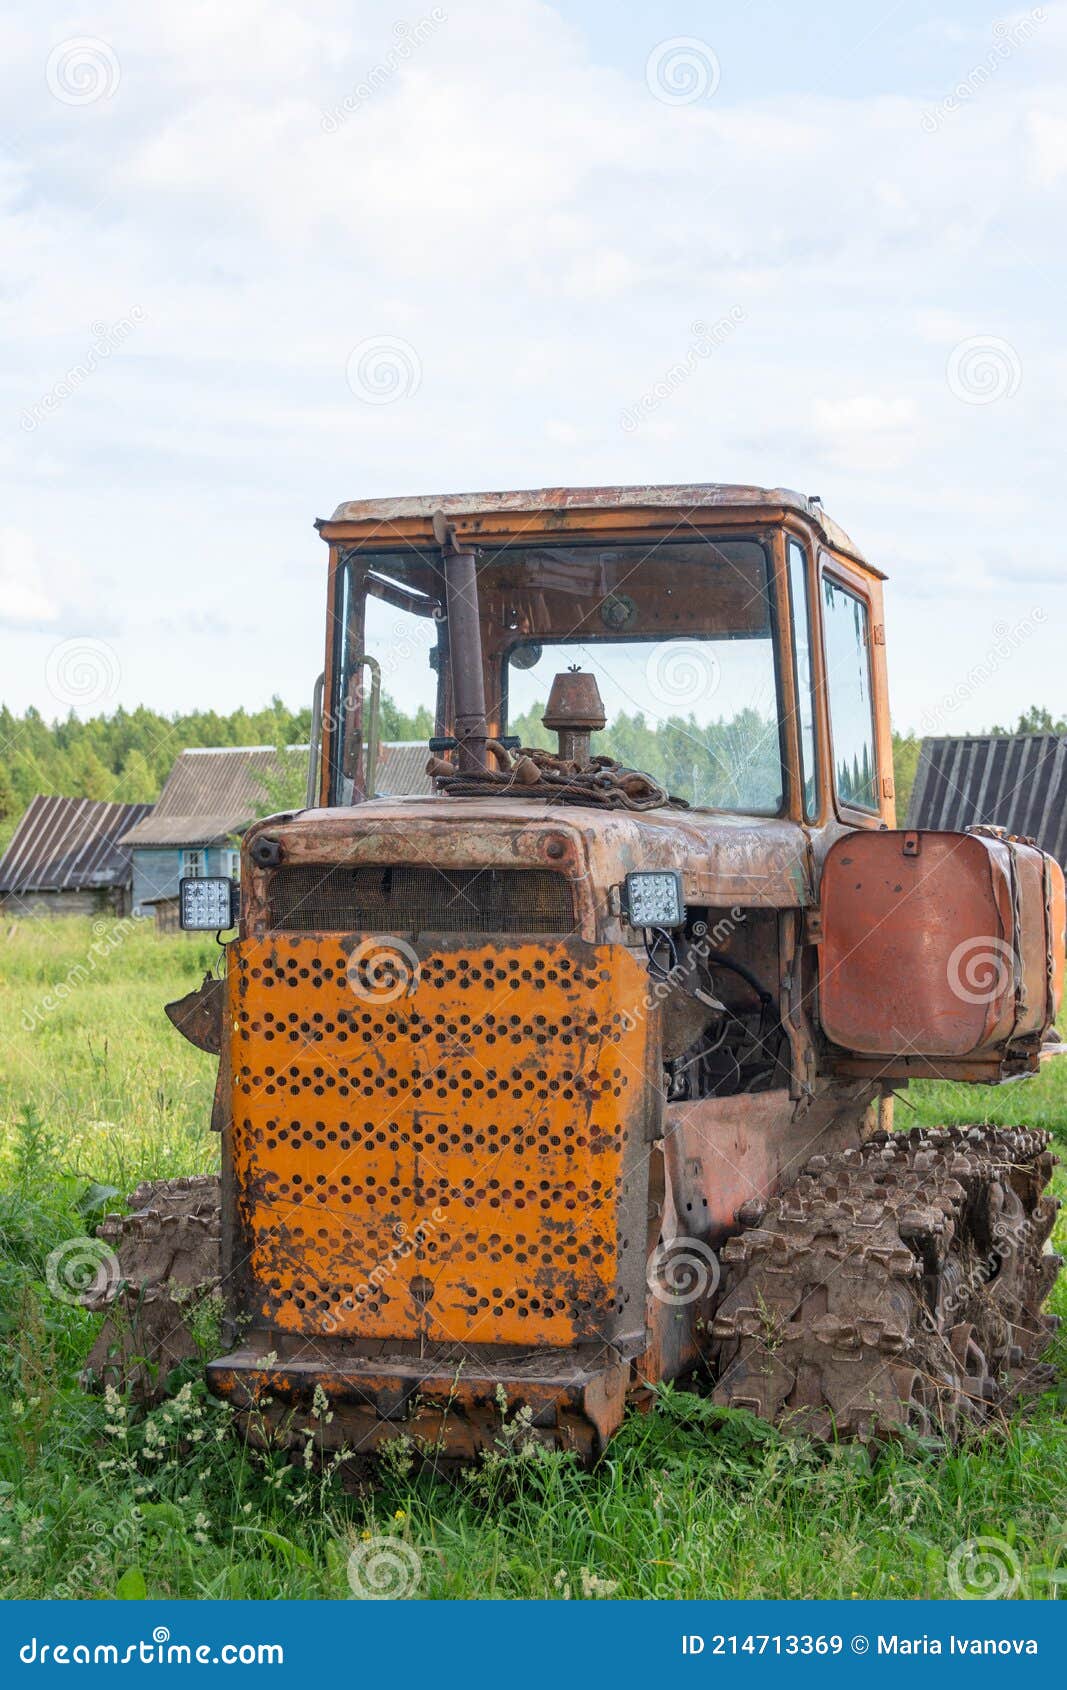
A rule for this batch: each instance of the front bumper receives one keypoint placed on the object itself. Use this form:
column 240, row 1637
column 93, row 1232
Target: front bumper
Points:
column 449, row 1401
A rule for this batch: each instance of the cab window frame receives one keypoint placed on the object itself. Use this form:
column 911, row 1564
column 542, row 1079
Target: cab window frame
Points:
column 810, row 812
column 847, row 582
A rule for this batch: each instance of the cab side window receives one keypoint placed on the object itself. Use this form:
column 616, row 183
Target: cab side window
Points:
column 804, row 671
column 846, row 626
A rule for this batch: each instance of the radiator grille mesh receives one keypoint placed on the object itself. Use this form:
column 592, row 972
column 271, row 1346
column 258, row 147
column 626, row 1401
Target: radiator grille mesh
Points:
column 338, row 898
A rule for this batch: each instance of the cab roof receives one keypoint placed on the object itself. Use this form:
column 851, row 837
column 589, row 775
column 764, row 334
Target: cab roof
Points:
column 405, row 517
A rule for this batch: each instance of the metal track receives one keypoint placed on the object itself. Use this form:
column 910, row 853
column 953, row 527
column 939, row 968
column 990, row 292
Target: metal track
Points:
column 896, row 1285
column 169, row 1263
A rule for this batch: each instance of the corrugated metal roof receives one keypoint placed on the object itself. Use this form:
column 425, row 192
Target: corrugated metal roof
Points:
column 213, row 793
column 697, row 495
column 1017, row 781
column 69, row 845
column 402, row 769
column 209, row 794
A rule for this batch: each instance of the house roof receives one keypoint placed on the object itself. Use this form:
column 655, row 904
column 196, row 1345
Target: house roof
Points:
column 211, row 793
column 70, row 845
column 402, row 769
column 1017, row 781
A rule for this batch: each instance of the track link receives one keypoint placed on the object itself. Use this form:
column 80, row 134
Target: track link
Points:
column 896, row 1285
column 166, row 1268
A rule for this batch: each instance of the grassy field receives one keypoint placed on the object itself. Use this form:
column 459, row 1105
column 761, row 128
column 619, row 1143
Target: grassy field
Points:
column 96, row 1500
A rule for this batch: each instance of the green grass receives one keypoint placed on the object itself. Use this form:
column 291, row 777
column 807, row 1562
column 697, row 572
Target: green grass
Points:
column 96, row 1499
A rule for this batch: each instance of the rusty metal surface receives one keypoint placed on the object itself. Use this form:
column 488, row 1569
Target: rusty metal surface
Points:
column 548, row 507
column 723, row 859
column 724, row 1153
column 443, row 1399
column 574, row 701
column 568, row 778
column 466, row 666
column 447, row 1163
column 574, row 710
column 416, row 898
column 199, row 1015
column 936, row 946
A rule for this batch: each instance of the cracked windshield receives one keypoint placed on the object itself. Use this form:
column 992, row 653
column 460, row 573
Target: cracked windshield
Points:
column 678, row 635
column 682, row 651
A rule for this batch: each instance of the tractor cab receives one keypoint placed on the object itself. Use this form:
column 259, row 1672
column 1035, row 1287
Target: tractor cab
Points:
column 692, row 608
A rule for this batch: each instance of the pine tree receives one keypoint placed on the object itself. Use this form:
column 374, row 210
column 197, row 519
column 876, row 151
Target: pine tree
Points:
column 136, row 783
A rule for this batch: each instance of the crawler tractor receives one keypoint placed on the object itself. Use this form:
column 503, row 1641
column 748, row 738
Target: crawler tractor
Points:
column 573, row 1071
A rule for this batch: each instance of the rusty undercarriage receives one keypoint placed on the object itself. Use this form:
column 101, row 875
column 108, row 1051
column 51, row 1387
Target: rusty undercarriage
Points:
column 572, row 1077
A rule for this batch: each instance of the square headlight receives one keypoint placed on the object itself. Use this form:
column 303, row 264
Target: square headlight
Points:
column 653, row 898
column 206, row 904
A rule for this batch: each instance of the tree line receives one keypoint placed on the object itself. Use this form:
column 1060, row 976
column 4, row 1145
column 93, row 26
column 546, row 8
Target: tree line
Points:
column 125, row 757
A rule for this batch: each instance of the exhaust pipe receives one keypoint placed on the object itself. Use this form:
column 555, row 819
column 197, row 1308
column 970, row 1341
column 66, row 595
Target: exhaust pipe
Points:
column 465, row 649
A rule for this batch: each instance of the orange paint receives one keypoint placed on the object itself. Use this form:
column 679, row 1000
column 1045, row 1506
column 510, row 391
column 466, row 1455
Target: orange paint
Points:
column 445, row 1165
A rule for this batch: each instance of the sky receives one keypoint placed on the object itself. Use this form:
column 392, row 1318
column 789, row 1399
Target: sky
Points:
column 259, row 259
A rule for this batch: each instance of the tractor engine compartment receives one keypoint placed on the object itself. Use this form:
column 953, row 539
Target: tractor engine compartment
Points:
column 722, row 1029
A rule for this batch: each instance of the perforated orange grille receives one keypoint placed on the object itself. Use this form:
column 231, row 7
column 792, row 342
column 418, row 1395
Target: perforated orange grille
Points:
column 442, row 1159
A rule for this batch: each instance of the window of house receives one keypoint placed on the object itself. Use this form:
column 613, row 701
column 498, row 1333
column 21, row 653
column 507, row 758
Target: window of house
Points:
column 194, row 866
column 804, row 670
column 846, row 625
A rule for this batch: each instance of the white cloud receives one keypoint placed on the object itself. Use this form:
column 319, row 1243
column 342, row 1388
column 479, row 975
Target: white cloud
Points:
column 867, row 430
column 516, row 205
column 24, row 600
column 1048, row 137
